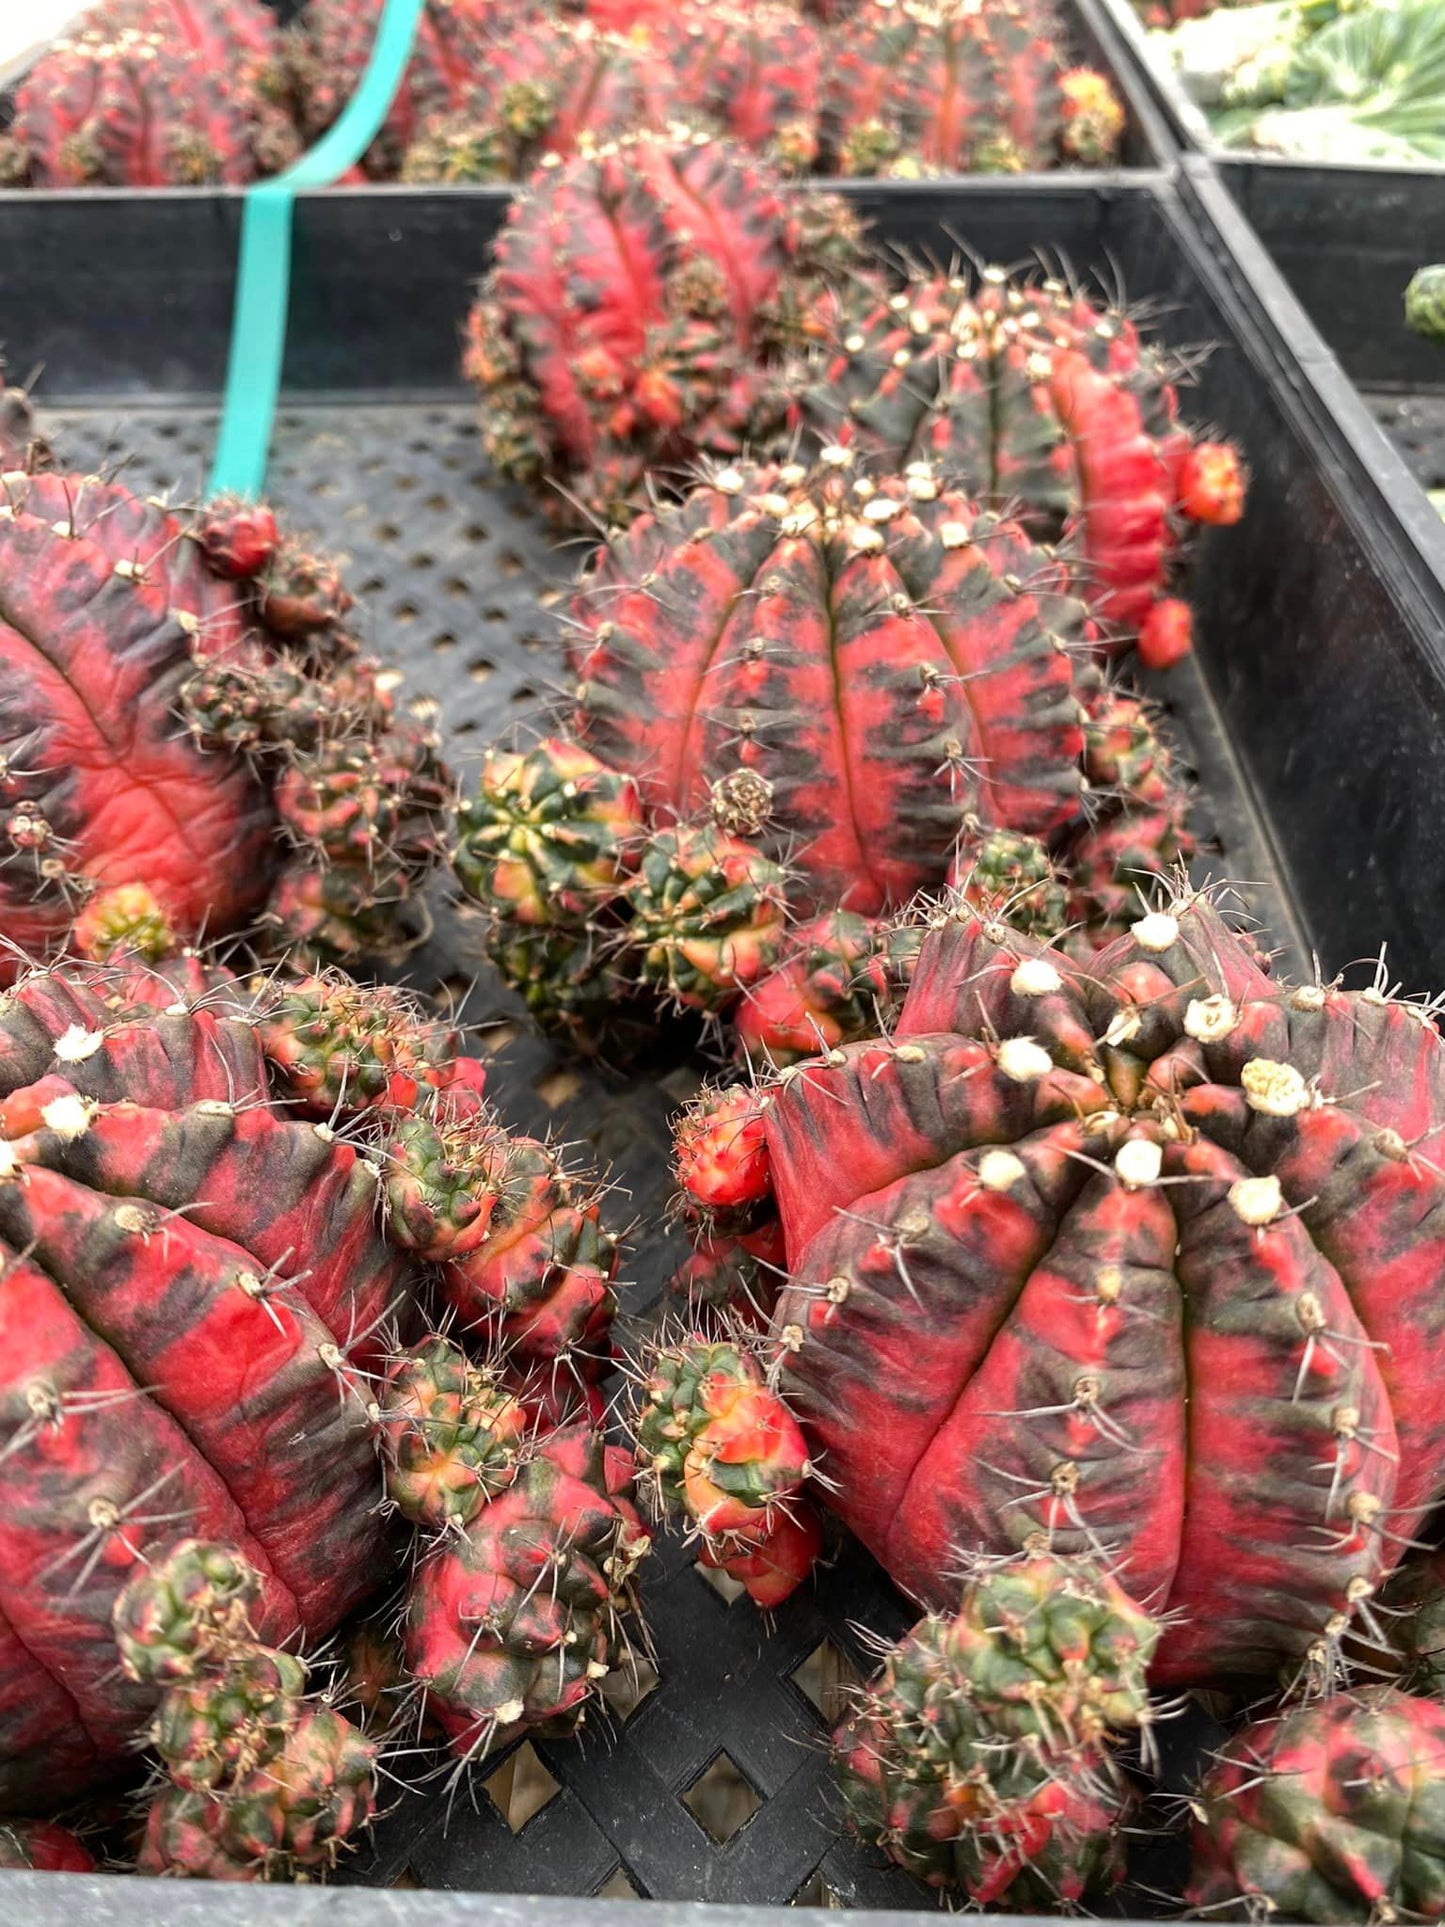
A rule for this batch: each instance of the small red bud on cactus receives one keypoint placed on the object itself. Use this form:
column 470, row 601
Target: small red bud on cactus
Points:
column 1167, row 635
column 237, row 538
column 1212, row 484
column 722, row 1152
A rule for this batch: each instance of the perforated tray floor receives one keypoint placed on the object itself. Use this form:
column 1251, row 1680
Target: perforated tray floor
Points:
column 455, row 577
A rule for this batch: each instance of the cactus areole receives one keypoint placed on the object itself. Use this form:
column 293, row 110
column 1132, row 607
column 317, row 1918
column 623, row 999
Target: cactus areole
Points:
column 1143, row 1259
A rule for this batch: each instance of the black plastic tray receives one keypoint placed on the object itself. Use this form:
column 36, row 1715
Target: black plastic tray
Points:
column 1311, row 712
column 1346, row 239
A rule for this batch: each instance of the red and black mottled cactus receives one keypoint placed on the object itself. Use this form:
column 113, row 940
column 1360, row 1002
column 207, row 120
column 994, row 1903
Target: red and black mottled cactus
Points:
column 1028, row 393
column 153, row 93
column 981, row 1758
column 947, row 87
column 754, row 72
column 885, row 657
column 546, row 87
column 183, row 708
column 873, row 688
column 1333, row 1811
column 512, row 1624
column 640, row 302
column 196, row 1324
column 1169, row 1229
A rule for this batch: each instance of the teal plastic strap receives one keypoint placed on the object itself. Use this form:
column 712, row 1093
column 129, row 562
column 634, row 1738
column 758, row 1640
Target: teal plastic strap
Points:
column 263, row 270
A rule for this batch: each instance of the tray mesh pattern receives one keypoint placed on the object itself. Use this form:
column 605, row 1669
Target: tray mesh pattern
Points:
column 708, row 1778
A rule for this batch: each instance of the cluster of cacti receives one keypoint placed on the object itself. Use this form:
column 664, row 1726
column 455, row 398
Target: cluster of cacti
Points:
column 1167, row 1225
column 551, row 87
column 927, row 86
column 641, row 304
column 264, row 1782
column 874, row 688
column 264, row 771
column 154, row 93
column 185, row 92
column 201, row 1297
column 517, row 1612
column 982, row 1757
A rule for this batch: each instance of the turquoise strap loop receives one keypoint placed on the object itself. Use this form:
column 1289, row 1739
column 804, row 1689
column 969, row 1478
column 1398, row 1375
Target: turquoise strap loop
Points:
column 263, row 268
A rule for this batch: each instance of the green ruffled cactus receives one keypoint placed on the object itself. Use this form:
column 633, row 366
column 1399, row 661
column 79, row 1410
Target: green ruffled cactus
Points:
column 1425, row 302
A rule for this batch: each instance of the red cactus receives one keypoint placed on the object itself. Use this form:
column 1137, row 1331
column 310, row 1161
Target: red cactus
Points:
column 1332, row 1811
column 619, row 335
column 1134, row 1254
column 753, row 72
column 867, row 679
column 943, row 86
column 876, row 639
column 513, row 1623
column 1031, row 394
column 114, row 625
column 153, row 93
column 42, row 1847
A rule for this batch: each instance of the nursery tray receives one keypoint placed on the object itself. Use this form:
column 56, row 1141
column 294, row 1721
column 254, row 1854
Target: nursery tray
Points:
column 1346, row 238
column 1310, row 714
